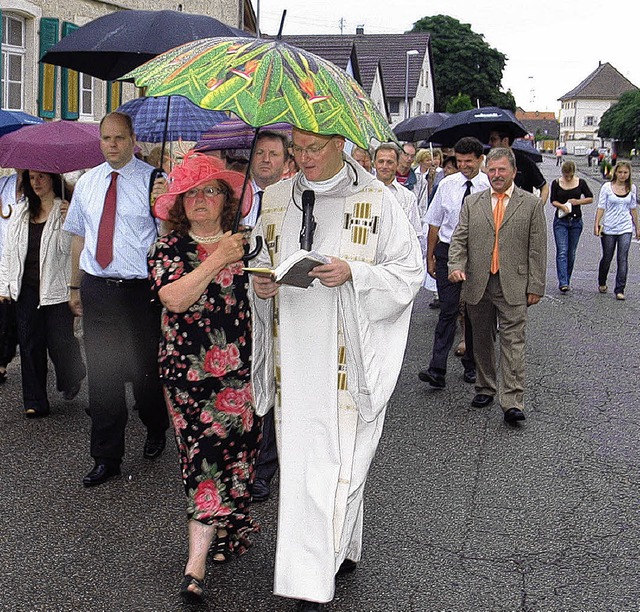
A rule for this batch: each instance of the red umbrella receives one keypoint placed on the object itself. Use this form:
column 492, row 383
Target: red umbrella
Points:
column 56, row 147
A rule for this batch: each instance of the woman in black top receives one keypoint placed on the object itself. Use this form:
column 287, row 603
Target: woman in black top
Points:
column 568, row 194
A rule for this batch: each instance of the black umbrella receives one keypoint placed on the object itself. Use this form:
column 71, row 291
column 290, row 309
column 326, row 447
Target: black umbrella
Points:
column 420, row 127
column 522, row 148
column 478, row 122
column 111, row 46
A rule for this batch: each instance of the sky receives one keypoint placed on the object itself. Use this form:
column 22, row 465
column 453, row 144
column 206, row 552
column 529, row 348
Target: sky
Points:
column 551, row 46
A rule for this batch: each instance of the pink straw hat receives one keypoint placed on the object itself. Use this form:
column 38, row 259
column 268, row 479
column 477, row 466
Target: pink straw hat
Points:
column 197, row 169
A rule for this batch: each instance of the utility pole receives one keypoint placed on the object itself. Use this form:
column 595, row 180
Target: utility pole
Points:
column 342, row 24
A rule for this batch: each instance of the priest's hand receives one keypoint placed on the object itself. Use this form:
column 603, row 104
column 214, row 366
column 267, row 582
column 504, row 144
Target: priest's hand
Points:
column 333, row 274
column 264, row 286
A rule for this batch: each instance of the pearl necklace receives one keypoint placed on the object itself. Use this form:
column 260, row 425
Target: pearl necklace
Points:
column 206, row 239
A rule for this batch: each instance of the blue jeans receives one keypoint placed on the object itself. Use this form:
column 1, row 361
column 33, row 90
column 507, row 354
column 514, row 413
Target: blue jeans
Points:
column 567, row 232
column 609, row 243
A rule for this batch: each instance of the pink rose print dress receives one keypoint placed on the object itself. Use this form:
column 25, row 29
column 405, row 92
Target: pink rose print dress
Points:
column 204, row 360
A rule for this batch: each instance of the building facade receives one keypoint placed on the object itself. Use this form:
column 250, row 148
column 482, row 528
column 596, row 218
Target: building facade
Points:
column 31, row 27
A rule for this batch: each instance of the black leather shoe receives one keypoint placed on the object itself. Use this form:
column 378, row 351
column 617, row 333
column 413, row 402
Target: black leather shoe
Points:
column 513, row 415
column 481, row 400
column 153, row 447
column 433, row 378
column 347, row 567
column 260, row 490
column 100, row 473
column 309, row 606
column 469, row 376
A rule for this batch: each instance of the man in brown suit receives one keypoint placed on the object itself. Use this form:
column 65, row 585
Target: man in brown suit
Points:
column 504, row 272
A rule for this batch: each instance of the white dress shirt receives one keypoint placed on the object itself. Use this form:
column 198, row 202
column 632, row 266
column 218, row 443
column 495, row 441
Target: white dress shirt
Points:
column 135, row 229
column 444, row 210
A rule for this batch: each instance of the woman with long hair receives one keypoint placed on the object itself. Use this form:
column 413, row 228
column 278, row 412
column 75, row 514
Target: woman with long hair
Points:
column 34, row 272
column 196, row 270
column 616, row 222
column 568, row 195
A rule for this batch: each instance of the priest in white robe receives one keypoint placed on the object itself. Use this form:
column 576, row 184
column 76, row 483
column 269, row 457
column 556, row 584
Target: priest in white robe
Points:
column 328, row 357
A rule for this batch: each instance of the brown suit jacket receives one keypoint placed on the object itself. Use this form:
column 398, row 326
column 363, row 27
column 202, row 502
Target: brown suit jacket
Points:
column 522, row 245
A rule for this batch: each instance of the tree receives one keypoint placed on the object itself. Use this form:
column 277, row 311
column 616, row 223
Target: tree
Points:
column 622, row 120
column 461, row 102
column 464, row 63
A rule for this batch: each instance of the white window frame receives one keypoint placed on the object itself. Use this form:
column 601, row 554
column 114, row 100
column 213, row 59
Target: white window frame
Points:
column 92, row 93
column 8, row 51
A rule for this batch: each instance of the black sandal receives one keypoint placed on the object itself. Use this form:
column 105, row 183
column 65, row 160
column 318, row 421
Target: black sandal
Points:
column 192, row 596
column 221, row 549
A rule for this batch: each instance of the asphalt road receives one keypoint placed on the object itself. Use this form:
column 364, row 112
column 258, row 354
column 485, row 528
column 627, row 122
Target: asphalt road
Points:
column 462, row 512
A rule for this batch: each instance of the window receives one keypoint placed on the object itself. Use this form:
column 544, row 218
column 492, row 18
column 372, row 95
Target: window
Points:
column 86, row 95
column 394, row 106
column 13, row 54
column 418, row 108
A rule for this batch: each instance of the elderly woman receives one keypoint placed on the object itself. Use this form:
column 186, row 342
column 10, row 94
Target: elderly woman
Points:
column 568, row 195
column 197, row 273
column 34, row 273
column 617, row 203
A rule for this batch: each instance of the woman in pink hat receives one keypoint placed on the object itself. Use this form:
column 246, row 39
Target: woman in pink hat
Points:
column 196, row 272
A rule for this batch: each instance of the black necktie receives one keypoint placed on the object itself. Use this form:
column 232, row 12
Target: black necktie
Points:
column 260, row 193
column 468, row 184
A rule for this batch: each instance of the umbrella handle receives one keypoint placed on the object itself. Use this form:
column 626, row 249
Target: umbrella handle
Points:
column 253, row 254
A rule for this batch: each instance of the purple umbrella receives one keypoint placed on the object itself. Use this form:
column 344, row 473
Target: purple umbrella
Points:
column 234, row 134
column 56, row 147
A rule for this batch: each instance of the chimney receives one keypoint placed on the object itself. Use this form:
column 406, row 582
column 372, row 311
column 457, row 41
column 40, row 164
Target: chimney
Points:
column 360, row 30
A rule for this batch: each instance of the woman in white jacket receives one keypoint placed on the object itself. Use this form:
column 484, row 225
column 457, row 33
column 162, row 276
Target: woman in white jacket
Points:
column 34, row 273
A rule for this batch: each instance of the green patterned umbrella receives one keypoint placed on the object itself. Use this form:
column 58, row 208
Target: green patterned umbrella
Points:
column 265, row 82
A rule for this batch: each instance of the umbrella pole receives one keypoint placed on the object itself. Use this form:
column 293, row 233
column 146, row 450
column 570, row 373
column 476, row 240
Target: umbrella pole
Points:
column 236, row 221
column 164, row 134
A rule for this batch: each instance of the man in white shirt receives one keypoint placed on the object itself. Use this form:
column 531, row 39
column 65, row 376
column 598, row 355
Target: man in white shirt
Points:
column 385, row 162
column 442, row 218
column 268, row 163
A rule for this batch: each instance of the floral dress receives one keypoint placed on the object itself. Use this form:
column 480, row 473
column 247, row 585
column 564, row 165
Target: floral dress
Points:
column 204, row 363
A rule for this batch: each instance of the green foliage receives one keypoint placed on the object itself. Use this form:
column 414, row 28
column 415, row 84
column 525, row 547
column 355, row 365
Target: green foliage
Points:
column 461, row 102
column 622, row 120
column 464, row 62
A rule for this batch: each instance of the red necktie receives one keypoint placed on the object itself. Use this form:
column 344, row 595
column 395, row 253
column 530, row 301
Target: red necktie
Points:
column 498, row 214
column 104, row 247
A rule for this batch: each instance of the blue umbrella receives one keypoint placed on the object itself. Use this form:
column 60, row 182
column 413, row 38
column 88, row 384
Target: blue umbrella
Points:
column 420, row 127
column 10, row 121
column 169, row 118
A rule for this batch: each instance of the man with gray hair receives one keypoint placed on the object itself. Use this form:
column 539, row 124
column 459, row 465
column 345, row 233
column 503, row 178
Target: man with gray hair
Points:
column 499, row 250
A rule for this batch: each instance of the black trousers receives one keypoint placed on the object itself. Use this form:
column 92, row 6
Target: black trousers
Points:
column 8, row 333
column 121, row 335
column 449, row 295
column 267, row 461
column 40, row 330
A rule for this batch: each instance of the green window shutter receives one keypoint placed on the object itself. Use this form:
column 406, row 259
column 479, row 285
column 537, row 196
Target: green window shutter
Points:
column 114, row 95
column 69, row 84
column 47, row 73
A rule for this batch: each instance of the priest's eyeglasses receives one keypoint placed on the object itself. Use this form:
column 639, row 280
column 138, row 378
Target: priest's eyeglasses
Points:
column 311, row 151
column 208, row 192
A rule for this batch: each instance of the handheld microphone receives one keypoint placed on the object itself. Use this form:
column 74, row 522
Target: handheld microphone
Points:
column 308, row 222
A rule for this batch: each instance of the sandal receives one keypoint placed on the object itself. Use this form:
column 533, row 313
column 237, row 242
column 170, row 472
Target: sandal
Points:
column 195, row 595
column 221, row 551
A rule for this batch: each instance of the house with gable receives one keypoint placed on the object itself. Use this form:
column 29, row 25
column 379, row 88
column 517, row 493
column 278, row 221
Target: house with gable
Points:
column 383, row 61
column 583, row 107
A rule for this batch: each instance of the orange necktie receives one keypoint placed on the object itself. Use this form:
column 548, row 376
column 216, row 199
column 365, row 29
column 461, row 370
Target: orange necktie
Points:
column 498, row 214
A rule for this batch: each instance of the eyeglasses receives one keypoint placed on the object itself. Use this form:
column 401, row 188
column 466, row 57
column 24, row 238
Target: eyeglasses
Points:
column 311, row 151
column 208, row 192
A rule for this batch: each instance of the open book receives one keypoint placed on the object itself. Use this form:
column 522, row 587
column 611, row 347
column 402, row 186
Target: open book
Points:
column 294, row 270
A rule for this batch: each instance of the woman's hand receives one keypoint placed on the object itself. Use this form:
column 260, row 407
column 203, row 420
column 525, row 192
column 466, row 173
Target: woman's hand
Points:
column 64, row 207
column 565, row 209
column 230, row 248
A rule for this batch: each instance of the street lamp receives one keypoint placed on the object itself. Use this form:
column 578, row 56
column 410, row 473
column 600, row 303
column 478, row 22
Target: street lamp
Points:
column 406, row 83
